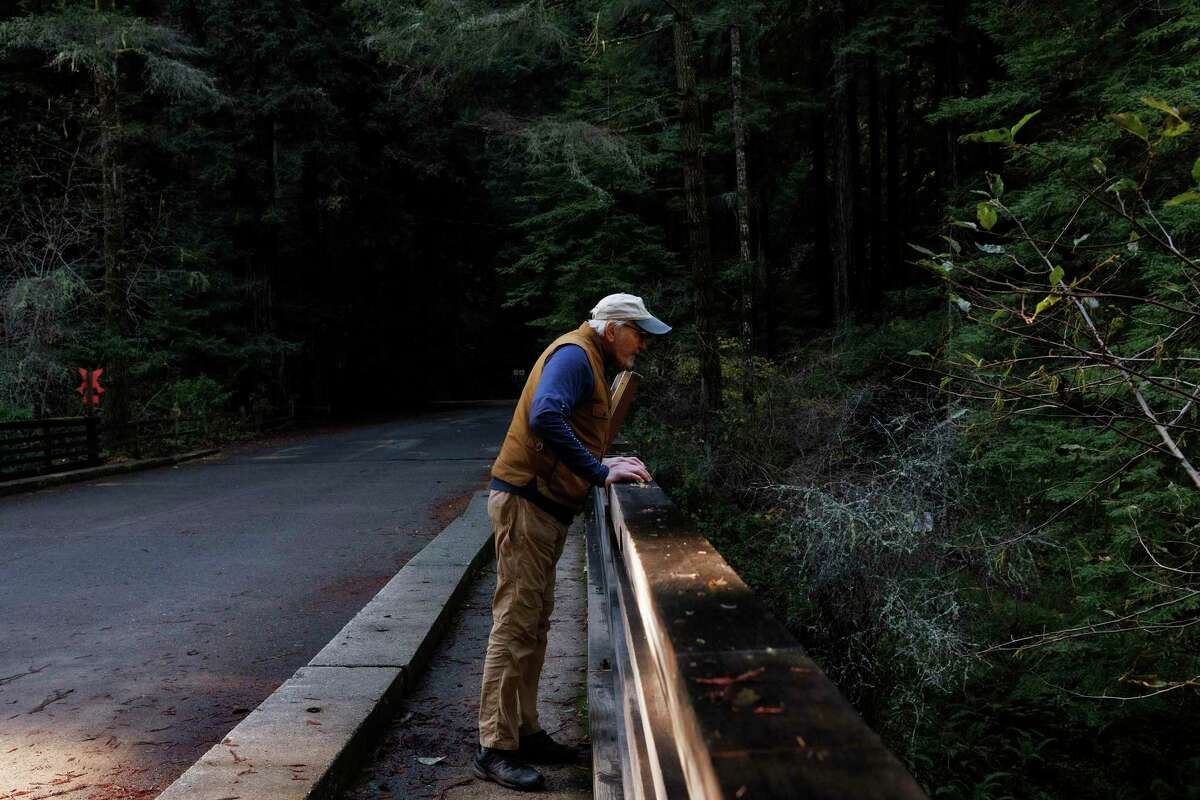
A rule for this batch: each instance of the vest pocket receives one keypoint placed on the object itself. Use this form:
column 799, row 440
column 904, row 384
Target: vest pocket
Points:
column 543, row 459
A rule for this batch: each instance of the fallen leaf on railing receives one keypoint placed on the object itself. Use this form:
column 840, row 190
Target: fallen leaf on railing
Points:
column 717, row 582
column 746, row 697
column 768, row 710
column 726, row 680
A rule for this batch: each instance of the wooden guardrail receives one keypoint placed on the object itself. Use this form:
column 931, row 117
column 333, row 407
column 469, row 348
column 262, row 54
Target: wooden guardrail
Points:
column 695, row 690
column 42, row 446
column 37, row 447
column 155, row 436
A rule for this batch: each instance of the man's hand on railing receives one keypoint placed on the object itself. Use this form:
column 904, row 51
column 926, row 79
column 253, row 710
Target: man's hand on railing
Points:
column 625, row 469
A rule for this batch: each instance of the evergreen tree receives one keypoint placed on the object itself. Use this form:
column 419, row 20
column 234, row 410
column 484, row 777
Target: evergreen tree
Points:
column 103, row 43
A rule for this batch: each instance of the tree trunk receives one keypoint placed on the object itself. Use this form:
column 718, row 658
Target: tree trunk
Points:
column 892, row 219
column 946, row 85
column 764, row 282
column 117, row 321
column 874, row 222
column 696, row 204
column 845, row 117
column 905, row 218
column 746, row 267
column 818, row 187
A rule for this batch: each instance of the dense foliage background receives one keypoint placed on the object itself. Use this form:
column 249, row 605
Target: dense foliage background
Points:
column 933, row 384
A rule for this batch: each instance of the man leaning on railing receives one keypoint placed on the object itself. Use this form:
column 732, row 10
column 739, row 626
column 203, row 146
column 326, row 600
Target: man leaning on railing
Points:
column 552, row 455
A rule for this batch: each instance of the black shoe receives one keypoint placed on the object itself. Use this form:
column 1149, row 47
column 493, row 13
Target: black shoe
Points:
column 539, row 748
column 503, row 767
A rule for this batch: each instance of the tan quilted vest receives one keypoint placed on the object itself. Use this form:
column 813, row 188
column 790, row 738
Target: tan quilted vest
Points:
column 525, row 457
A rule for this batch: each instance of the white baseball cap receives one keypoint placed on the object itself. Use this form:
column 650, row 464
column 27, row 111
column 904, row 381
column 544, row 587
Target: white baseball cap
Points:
column 629, row 308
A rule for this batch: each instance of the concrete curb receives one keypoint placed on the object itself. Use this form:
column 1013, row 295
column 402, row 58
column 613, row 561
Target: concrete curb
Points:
column 306, row 740
column 75, row 476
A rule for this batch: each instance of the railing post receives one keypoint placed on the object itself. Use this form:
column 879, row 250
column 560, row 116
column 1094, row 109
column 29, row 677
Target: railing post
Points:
column 93, row 439
column 47, row 449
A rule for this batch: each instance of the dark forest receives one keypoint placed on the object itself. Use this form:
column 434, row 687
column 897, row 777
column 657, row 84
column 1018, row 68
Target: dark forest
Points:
column 933, row 269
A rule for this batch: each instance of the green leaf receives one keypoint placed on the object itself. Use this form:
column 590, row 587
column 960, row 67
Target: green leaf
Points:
column 991, row 249
column 994, row 136
column 920, row 353
column 995, row 183
column 999, row 314
column 1125, row 184
column 963, row 305
column 1173, row 127
column 986, row 215
column 1047, row 302
column 1196, row 171
column 942, row 269
column 1102, row 170
column 1012, row 133
column 944, row 383
column 969, row 225
column 1056, row 276
column 922, row 250
column 1190, row 196
column 1163, row 106
column 1132, row 123
column 974, row 359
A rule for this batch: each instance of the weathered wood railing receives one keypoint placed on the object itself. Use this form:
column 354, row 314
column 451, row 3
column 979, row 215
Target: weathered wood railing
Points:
column 155, row 436
column 695, row 690
column 36, row 447
column 42, row 446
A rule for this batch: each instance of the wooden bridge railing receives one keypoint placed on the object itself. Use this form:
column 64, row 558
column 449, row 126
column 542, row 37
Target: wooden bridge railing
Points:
column 36, row 447
column 695, row 690
column 42, row 446
column 155, row 436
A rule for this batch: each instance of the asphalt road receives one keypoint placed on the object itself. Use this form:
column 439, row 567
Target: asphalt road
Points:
column 142, row 616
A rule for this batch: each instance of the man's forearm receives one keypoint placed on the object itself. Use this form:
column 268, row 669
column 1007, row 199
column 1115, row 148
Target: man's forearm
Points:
column 557, row 434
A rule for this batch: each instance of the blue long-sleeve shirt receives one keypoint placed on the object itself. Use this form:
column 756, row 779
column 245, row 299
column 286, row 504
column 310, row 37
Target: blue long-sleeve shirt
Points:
column 565, row 384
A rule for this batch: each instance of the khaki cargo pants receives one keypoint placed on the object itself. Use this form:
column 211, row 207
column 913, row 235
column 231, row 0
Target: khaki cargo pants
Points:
column 529, row 542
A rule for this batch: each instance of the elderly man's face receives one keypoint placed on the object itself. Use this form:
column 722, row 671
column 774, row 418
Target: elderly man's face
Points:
column 624, row 341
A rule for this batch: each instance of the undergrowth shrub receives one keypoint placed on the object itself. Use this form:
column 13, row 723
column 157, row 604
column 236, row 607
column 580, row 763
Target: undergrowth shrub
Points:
column 896, row 534
column 874, row 549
